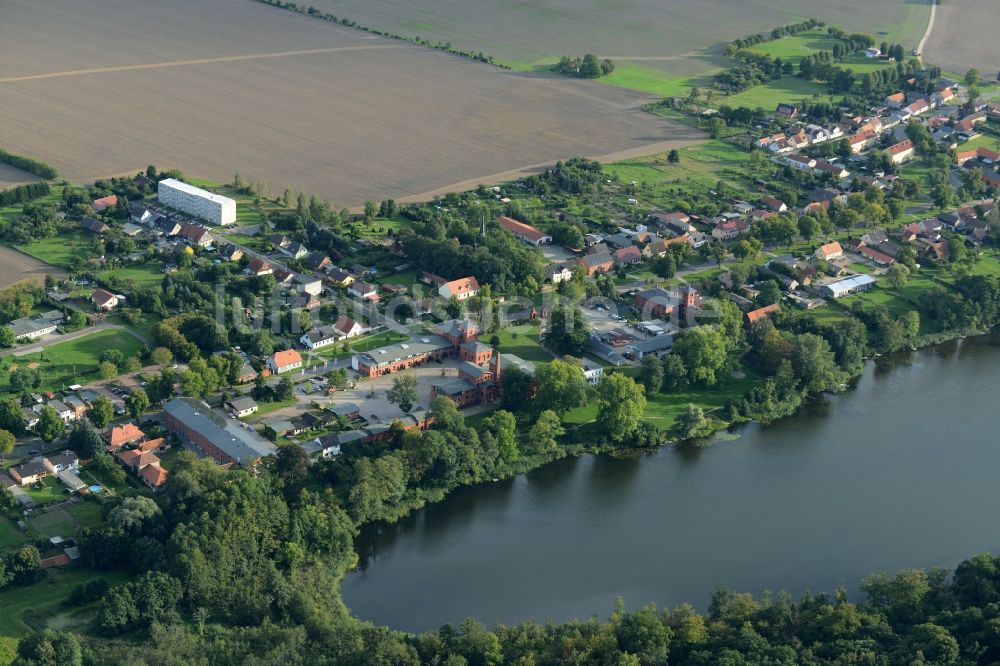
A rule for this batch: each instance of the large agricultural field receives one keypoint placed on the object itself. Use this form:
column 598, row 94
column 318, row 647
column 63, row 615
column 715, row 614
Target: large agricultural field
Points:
column 12, row 177
column 964, row 36
column 210, row 88
column 17, row 267
column 657, row 46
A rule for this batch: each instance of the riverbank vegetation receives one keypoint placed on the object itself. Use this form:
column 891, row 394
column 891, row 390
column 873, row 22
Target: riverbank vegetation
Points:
column 234, row 566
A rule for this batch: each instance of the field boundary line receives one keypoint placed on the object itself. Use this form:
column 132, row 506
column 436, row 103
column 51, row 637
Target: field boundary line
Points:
column 197, row 61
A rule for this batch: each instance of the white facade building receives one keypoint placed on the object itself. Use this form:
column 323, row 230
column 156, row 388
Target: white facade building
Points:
column 213, row 208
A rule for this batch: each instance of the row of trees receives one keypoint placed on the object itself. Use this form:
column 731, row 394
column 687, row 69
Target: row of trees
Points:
column 28, row 164
column 23, row 193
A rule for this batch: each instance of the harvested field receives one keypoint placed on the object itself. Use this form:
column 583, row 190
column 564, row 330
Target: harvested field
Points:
column 679, row 37
column 212, row 88
column 12, row 177
column 965, row 36
column 17, row 267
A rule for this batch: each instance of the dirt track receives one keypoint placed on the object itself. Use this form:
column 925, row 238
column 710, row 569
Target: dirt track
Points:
column 96, row 90
column 965, row 36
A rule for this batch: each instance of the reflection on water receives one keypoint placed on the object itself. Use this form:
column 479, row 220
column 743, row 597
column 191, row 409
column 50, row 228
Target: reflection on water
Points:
column 852, row 485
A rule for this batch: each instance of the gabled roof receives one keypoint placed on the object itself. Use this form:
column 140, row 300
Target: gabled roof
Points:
column 462, row 286
column 599, row 259
column 520, row 228
column 101, row 297
column 104, row 202
column 345, row 324
column 760, row 313
column 900, row 147
column 123, row 434
column 258, row 265
column 287, row 357
column 94, row 226
column 154, row 475
column 831, row 248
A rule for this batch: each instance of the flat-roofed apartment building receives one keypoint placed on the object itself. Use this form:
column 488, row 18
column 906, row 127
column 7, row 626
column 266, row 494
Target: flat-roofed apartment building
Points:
column 213, row 208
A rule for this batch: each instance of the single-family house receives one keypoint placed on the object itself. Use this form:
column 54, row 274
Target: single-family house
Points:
column 94, row 226
column 123, row 435
column 901, row 151
column 104, row 300
column 460, row 289
column 592, row 264
column 258, row 267
column 29, row 472
column 829, row 251
column 627, row 256
column 67, row 460
column 556, row 273
column 803, row 162
column 730, row 230
column 241, row 407
column 364, row 291
column 786, row 111
column 773, row 203
column 284, row 361
column 104, row 203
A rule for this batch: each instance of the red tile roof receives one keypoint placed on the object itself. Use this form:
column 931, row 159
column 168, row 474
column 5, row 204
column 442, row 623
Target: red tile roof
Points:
column 830, row 248
column 760, row 313
column 124, row 434
column 286, row 358
column 101, row 297
column 154, row 475
column 104, row 202
column 900, row 147
column 462, row 286
column 520, row 228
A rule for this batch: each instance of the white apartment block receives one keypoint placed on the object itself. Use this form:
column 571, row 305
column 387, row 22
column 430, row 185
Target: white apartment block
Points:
column 213, row 208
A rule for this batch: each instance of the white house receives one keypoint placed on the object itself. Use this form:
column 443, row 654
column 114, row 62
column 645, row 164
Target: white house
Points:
column 592, row 372
column 459, row 289
column 104, row 300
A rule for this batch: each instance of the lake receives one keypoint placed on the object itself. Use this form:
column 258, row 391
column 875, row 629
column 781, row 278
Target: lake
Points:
column 899, row 472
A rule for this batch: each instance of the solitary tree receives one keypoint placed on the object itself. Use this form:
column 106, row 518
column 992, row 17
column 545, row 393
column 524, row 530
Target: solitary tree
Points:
column 403, row 393
column 101, row 411
column 137, row 402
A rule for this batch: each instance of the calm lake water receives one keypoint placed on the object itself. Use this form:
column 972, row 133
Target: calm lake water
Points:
column 902, row 471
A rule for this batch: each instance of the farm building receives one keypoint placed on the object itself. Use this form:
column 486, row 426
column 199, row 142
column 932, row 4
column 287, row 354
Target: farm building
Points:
column 852, row 285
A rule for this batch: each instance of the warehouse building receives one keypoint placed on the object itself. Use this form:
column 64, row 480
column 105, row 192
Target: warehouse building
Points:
column 228, row 442
column 847, row 286
column 212, row 208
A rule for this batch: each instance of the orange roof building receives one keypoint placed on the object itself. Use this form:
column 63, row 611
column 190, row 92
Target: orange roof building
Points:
column 460, row 289
column 154, row 476
column 122, row 435
column 284, row 361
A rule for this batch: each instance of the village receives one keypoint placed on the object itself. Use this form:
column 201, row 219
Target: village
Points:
column 350, row 317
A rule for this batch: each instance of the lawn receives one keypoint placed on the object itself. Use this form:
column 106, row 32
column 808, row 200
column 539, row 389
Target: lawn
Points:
column 702, row 165
column 265, row 408
column 72, row 362
column 65, row 250
column 87, row 513
column 797, row 46
column 147, row 274
column 663, row 408
column 54, row 522
column 788, row 89
column 653, row 81
column 10, row 534
column 361, row 343
column 981, row 141
column 41, row 598
column 48, row 489
column 522, row 341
